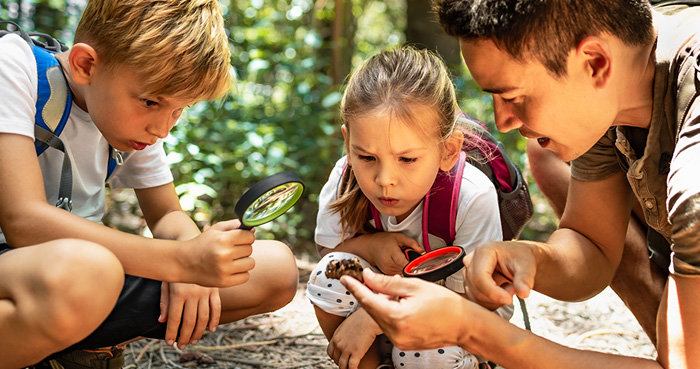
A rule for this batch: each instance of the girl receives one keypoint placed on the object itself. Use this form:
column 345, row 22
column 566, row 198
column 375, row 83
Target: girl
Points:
column 399, row 111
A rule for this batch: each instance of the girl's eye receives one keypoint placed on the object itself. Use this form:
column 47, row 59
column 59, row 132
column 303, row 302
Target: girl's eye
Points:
column 408, row 160
column 365, row 157
column 148, row 103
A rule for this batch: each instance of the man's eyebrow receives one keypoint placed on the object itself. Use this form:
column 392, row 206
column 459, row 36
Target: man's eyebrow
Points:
column 499, row 90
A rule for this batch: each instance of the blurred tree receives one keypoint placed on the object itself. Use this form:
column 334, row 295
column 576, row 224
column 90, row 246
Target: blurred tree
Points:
column 290, row 58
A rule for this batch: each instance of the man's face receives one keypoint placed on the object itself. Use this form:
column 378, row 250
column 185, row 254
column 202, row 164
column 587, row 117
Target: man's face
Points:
column 566, row 115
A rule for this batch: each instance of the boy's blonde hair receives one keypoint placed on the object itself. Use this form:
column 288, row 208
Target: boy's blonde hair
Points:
column 393, row 81
column 178, row 47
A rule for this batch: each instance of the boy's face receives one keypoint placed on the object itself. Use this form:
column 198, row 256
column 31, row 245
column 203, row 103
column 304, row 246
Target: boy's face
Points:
column 566, row 115
column 126, row 117
column 394, row 163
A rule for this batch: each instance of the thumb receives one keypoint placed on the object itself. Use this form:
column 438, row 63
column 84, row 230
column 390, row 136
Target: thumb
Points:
column 409, row 242
column 524, row 281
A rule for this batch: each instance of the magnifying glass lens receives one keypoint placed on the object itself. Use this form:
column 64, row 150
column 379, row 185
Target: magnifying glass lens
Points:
column 272, row 204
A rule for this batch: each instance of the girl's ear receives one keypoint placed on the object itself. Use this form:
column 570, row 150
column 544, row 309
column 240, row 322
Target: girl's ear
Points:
column 346, row 139
column 82, row 61
column 452, row 148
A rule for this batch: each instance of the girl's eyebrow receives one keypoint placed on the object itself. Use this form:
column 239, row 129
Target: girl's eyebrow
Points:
column 401, row 153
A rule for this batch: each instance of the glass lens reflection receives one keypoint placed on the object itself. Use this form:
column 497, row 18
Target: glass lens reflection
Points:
column 272, row 201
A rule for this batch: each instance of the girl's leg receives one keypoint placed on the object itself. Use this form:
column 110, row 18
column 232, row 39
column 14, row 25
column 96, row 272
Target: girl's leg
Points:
column 272, row 285
column 53, row 295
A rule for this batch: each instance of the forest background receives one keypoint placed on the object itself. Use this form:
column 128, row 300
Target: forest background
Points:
column 291, row 58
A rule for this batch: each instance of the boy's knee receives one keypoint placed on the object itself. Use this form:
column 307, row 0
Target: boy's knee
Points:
column 75, row 290
column 285, row 280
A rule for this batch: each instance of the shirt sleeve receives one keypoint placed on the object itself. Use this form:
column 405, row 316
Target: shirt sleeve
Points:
column 328, row 229
column 142, row 169
column 684, row 196
column 18, row 79
column 599, row 162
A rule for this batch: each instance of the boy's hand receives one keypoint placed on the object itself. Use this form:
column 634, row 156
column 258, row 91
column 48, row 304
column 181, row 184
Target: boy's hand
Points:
column 220, row 256
column 387, row 251
column 189, row 308
column 352, row 339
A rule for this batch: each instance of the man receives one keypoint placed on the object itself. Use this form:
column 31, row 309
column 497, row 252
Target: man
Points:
column 600, row 83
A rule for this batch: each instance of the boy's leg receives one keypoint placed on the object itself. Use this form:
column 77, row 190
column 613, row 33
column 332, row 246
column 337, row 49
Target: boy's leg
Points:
column 638, row 282
column 272, row 285
column 53, row 295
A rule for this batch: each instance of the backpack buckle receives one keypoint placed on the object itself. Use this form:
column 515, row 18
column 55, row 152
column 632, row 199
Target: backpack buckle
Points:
column 65, row 204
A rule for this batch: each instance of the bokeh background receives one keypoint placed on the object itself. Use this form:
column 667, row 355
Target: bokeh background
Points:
column 291, row 58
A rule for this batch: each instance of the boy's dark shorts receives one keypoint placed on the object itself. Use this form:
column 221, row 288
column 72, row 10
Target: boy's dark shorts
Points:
column 135, row 315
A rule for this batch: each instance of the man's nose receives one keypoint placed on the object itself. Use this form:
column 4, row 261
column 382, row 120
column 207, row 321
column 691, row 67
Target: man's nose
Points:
column 505, row 116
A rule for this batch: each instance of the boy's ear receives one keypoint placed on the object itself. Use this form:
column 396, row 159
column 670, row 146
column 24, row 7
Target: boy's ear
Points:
column 597, row 57
column 452, row 148
column 346, row 140
column 82, row 61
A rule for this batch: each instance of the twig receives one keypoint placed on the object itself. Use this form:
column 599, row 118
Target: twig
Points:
column 166, row 360
column 602, row 331
column 144, row 349
column 230, row 347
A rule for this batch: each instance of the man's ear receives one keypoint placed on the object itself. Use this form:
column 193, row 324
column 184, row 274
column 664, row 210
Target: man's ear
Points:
column 346, row 139
column 82, row 61
column 597, row 57
column 452, row 148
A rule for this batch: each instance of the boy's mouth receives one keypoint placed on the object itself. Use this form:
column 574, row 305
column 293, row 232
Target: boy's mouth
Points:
column 138, row 145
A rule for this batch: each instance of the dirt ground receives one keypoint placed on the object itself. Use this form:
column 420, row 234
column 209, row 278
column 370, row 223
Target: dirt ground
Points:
column 291, row 338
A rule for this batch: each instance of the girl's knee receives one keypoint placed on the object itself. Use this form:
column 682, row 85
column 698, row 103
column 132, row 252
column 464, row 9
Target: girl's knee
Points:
column 329, row 294
column 452, row 357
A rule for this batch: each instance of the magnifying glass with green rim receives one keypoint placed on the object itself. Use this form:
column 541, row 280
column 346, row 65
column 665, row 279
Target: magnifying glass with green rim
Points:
column 268, row 199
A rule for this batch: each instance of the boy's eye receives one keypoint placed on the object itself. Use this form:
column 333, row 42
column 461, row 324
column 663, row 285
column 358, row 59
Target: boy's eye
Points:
column 408, row 160
column 148, row 103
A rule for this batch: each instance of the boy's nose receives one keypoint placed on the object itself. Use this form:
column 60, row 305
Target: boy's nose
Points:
column 504, row 116
column 162, row 128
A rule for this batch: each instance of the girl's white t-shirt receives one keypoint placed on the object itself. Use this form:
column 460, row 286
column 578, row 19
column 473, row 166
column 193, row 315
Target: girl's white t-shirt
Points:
column 85, row 145
column 478, row 219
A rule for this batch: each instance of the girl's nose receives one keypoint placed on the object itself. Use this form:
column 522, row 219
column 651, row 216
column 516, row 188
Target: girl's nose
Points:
column 505, row 116
column 386, row 175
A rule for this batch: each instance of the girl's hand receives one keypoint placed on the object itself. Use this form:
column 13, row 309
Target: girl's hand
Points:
column 387, row 251
column 219, row 257
column 189, row 308
column 352, row 339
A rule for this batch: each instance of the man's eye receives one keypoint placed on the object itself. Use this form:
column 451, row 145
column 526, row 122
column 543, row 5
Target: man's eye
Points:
column 148, row 103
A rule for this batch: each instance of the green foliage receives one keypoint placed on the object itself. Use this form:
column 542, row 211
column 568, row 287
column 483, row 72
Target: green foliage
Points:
column 283, row 114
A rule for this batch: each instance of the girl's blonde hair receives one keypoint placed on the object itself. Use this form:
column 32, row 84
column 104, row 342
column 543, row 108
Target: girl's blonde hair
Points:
column 394, row 82
column 178, row 47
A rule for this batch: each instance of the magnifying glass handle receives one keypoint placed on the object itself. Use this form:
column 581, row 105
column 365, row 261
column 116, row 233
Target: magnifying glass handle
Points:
column 411, row 254
column 245, row 227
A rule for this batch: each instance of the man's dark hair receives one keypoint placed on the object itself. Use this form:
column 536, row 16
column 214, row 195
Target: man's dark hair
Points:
column 546, row 29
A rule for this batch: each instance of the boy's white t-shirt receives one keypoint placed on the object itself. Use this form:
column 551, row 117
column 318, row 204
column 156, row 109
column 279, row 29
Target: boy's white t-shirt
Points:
column 85, row 145
column 478, row 218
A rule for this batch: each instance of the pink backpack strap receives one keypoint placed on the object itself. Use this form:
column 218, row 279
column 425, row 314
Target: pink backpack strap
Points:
column 440, row 204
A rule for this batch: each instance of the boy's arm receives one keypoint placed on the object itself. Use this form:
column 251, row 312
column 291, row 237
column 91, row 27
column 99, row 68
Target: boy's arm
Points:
column 27, row 218
column 163, row 214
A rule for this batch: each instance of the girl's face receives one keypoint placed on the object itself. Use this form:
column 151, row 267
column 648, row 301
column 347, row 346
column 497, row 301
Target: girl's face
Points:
column 394, row 162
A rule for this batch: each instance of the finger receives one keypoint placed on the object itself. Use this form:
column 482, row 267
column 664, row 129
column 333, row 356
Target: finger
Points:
column 189, row 320
column 173, row 324
column 200, row 326
column 227, row 225
column 164, row 297
column 480, row 276
column 215, row 310
column 410, row 242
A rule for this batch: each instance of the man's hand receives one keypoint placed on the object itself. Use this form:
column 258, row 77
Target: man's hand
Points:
column 413, row 313
column 495, row 272
column 352, row 339
column 220, row 256
column 189, row 308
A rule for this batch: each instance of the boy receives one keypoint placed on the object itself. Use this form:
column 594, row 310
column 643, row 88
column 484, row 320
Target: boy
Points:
column 135, row 65
column 600, row 83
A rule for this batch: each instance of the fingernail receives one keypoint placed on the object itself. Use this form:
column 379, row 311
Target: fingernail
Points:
column 182, row 347
column 194, row 342
column 170, row 342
